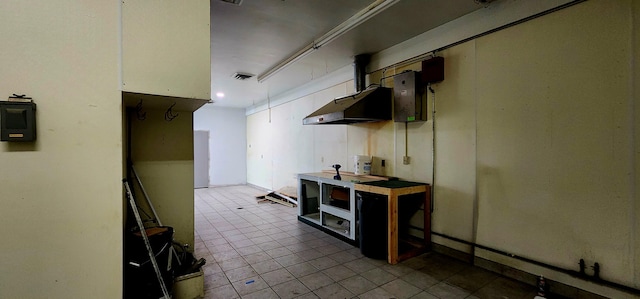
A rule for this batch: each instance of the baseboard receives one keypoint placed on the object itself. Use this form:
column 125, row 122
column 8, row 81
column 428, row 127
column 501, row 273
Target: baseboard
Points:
column 454, row 253
column 258, row 187
column 555, row 287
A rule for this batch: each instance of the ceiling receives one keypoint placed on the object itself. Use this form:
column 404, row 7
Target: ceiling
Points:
column 258, row 34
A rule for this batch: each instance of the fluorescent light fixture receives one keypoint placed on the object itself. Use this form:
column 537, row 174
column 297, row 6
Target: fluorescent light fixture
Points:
column 353, row 22
column 220, row 95
column 285, row 63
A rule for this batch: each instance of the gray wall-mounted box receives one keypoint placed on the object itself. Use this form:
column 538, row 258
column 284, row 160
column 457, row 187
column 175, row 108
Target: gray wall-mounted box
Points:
column 17, row 121
column 409, row 102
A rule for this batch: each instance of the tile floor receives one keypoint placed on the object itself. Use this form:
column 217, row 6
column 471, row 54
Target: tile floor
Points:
column 262, row 251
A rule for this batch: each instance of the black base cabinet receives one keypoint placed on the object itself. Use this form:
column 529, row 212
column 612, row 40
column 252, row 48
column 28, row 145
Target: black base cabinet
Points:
column 372, row 214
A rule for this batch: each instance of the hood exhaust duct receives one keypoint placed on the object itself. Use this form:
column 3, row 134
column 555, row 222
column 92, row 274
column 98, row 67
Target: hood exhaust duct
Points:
column 365, row 105
column 360, row 71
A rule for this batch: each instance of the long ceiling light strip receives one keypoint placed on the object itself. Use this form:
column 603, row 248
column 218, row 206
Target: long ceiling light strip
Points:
column 285, row 63
column 353, row 22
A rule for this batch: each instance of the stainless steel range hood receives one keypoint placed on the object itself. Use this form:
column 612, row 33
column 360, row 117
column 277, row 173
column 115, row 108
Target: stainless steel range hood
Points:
column 372, row 104
column 366, row 105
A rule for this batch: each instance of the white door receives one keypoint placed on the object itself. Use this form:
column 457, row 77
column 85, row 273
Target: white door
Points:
column 201, row 159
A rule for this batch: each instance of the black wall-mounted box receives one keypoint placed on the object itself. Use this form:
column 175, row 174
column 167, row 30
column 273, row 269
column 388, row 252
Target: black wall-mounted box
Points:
column 433, row 70
column 17, row 121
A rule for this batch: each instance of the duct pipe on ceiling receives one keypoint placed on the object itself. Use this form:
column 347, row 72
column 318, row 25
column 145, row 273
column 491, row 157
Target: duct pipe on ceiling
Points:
column 360, row 63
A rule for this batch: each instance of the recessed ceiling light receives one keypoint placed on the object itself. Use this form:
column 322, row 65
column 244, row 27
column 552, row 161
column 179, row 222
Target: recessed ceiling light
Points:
column 220, row 95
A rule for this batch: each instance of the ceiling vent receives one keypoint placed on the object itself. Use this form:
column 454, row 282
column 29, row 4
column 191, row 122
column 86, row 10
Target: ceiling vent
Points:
column 234, row 2
column 242, row 76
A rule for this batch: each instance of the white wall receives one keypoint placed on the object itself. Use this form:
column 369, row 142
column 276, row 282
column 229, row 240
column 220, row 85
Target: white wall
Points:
column 166, row 51
column 227, row 143
column 61, row 196
column 555, row 139
column 536, row 143
column 162, row 152
column 167, row 48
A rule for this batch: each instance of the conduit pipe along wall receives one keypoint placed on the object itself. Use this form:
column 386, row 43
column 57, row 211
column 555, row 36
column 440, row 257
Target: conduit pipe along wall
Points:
column 433, row 146
column 573, row 273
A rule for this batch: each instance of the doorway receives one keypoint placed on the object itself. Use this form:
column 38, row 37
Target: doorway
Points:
column 201, row 159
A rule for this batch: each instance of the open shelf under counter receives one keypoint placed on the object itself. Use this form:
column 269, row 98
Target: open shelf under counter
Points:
column 337, row 224
column 342, row 213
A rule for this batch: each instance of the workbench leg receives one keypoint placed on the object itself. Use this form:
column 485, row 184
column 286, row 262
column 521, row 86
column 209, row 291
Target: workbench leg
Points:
column 392, row 239
column 427, row 219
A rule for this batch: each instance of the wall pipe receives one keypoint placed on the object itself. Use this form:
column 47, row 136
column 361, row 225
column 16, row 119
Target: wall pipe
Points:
column 529, row 18
column 433, row 146
column 573, row 273
column 406, row 141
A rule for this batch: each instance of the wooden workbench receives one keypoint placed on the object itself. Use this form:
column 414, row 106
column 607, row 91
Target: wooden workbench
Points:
column 393, row 190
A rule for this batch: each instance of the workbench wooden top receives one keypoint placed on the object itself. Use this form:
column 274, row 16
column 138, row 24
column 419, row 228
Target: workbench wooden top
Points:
column 393, row 190
column 346, row 176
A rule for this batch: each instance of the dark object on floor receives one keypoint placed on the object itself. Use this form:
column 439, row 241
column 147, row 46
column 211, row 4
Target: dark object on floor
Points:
column 185, row 262
column 140, row 278
column 160, row 248
column 372, row 211
column 195, row 267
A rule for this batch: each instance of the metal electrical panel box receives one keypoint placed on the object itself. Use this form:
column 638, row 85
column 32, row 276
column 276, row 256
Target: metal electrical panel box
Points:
column 17, row 121
column 409, row 102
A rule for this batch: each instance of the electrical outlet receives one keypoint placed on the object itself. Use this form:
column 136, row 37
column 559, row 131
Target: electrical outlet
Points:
column 406, row 160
